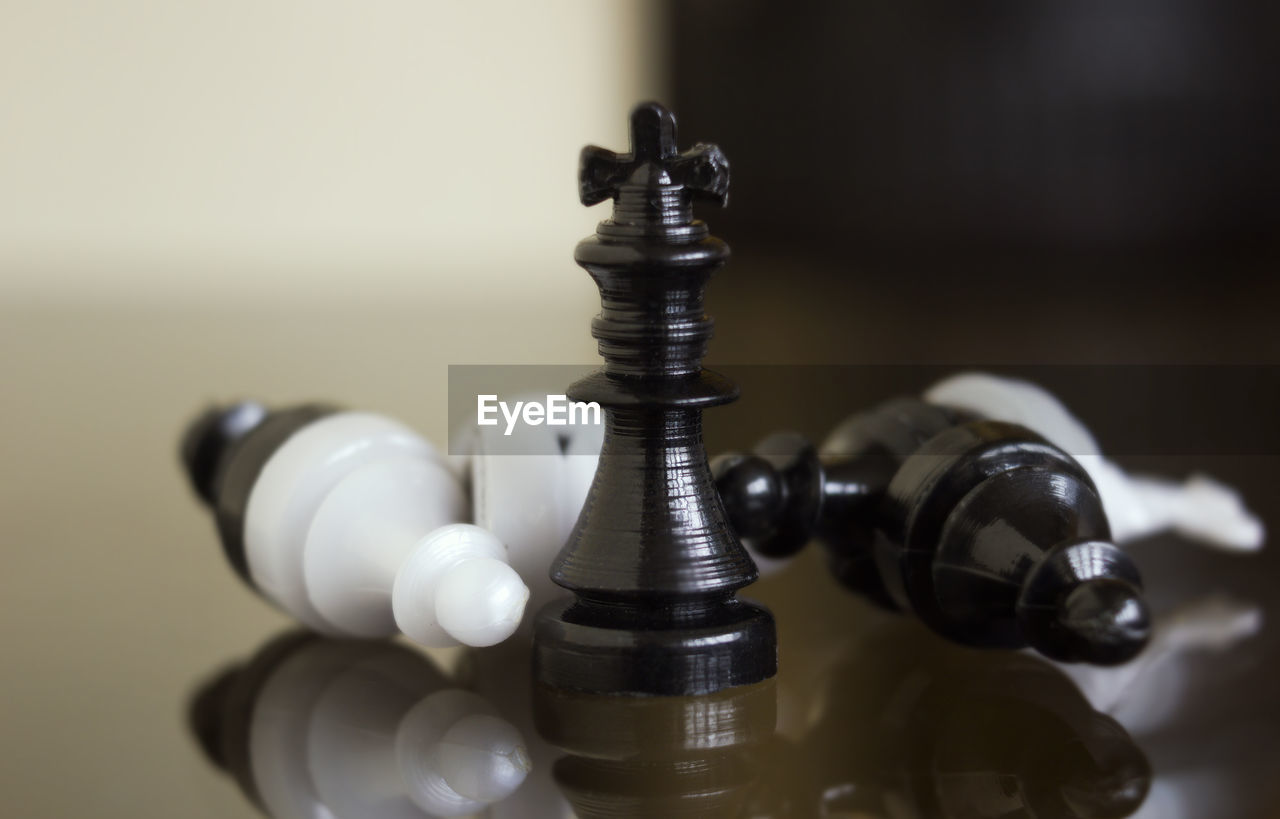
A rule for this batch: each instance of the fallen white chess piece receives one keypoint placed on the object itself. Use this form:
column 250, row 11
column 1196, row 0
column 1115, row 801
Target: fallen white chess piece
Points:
column 356, row 526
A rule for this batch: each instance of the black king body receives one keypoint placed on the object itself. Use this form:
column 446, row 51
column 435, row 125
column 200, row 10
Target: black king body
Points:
column 652, row 562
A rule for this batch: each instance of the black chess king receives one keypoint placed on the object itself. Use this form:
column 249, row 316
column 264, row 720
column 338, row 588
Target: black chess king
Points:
column 652, row 562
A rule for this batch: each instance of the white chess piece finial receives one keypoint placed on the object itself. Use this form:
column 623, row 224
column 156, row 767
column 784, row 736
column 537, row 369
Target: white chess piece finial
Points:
column 457, row 584
column 353, row 526
column 1136, row 506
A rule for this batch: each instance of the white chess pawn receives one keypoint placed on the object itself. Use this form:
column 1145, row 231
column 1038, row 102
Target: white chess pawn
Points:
column 353, row 523
column 1200, row 508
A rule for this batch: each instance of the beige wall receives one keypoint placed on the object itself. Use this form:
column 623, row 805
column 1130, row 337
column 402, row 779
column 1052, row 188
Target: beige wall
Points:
column 244, row 149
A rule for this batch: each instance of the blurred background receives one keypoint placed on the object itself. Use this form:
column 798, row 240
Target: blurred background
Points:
column 292, row 200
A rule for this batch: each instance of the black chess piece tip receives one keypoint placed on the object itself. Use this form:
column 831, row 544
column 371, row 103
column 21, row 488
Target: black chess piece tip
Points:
column 1102, row 620
column 210, row 436
column 1105, row 621
column 1084, row 603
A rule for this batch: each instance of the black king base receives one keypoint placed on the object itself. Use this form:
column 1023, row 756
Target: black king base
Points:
column 652, row 563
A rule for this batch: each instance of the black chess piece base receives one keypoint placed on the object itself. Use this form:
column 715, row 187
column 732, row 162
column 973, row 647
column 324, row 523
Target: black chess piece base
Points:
column 720, row 648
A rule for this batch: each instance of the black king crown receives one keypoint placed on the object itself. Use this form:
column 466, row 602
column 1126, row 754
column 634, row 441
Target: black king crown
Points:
column 652, row 563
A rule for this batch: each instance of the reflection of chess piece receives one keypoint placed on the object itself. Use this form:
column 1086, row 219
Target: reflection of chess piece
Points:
column 351, row 523
column 317, row 727
column 501, row 675
column 652, row 563
column 987, row 532
column 657, row 756
column 933, row 730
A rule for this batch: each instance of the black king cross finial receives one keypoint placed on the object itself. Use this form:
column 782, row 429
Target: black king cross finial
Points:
column 653, row 185
column 652, row 562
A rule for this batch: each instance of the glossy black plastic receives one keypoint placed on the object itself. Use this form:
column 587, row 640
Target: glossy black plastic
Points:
column 985, row 531
column 210, row 437
column 652, row 561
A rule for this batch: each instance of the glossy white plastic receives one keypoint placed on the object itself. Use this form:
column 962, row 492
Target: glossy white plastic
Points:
column 353, row 527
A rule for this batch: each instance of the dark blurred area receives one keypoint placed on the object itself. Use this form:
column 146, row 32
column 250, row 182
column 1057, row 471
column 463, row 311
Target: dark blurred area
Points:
column 999, row 185
column 987, row 127
column 995, row 183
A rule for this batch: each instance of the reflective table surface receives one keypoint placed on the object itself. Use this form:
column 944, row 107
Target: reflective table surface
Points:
column 871, row 716
column 143, row 680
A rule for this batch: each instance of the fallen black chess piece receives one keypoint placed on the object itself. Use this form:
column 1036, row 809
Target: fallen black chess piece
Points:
column 984, row 530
